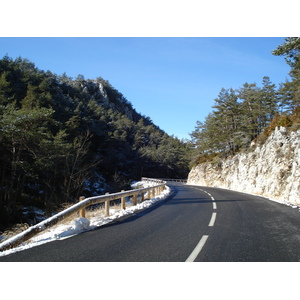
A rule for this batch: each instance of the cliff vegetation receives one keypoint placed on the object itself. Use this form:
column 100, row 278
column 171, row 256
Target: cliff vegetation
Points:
column 241, row 115
column 250, row 142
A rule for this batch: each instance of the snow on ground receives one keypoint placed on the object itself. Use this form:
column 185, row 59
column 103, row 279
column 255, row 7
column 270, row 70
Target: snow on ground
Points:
column 79, row 225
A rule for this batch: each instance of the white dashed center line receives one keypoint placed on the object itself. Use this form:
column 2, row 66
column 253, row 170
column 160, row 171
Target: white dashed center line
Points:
column 198, row 248
column 204, row 238
column 213, row 219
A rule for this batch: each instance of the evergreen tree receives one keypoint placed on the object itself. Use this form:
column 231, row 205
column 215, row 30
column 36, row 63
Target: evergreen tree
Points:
column 22, row 132
column 238, row 117
column 228, row 116
column 251, row 110
column 291, row 90
column 269, row 101
column 291, row 50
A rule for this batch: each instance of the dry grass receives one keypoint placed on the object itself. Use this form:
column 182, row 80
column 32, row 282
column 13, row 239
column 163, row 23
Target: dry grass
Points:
column 14, row 230
column 289, row 121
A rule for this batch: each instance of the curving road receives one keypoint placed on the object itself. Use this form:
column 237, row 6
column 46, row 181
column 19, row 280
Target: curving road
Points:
column 193, row 224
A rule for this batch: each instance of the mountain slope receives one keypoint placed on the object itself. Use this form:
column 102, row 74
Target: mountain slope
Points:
column 62, row 138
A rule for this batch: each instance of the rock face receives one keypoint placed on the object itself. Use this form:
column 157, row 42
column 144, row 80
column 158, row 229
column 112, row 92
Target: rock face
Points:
column 270, row 170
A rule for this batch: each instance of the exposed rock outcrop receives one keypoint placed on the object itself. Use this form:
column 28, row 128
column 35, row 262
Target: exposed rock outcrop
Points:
column 271, row 170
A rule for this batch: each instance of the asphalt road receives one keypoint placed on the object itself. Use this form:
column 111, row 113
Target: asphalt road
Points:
column 194, row 224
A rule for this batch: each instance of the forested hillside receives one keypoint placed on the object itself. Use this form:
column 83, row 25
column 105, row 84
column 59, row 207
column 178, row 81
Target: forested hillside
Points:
column 241, row 116
column 61, row 138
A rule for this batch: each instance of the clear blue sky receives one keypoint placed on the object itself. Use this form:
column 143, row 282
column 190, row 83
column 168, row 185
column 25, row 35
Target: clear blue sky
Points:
column 172, row 80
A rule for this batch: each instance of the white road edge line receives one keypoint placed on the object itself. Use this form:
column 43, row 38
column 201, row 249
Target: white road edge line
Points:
column 213, row 219
column 197, row 250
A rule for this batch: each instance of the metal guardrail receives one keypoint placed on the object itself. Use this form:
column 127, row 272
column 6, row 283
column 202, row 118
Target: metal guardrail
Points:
column 146, row 193
column 170, row 179
column 176, row 180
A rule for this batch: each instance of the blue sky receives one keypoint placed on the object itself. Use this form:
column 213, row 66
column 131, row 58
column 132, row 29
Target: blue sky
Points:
column 172, row 80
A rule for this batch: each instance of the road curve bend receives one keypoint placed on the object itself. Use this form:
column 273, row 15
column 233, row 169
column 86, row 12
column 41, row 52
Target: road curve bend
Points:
column 194, row 224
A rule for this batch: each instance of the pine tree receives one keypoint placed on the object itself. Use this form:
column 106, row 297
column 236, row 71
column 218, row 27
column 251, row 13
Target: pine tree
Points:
column 251, row 110
column 22, row 132
column 269, row 101
column 291, row 90
column 228, row 116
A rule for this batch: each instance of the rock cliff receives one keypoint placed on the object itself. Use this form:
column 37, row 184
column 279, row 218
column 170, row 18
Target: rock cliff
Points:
column 270, row 170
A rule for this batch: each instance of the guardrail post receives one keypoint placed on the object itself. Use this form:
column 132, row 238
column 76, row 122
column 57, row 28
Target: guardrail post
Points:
column 152, row 193
column 123, row 204
column 135, row 199
column 82, row 211
column 143, row 197
column 106, row 207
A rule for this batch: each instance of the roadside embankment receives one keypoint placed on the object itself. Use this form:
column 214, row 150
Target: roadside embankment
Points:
column 271, row 170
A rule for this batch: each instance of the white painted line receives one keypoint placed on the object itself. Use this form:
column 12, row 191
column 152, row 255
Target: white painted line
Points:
column 197, row 250
column 213, row 219
column 214, row 205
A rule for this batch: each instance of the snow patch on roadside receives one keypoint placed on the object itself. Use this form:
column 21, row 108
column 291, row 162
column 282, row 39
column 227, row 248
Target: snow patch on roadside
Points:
column 77, row 226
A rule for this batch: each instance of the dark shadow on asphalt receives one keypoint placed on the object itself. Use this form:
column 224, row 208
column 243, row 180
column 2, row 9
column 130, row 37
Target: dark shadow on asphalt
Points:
column 198, row 200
